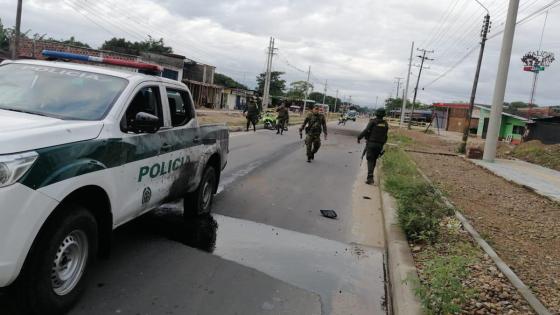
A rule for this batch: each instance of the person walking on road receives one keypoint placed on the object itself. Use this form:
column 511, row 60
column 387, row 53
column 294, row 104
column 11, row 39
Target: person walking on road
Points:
column 316, row 124
column 281, row 121
column 376, row 136
column 251, row 112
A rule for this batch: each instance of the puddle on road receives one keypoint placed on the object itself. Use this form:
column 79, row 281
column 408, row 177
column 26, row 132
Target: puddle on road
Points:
column 349, row 278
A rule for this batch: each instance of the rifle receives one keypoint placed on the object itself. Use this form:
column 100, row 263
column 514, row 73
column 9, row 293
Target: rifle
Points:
column 363, row 154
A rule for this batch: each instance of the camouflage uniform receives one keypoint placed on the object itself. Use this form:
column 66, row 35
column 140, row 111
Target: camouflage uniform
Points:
column 282, row 120
column 252, row 111
column 316, row 123
column 376, row 135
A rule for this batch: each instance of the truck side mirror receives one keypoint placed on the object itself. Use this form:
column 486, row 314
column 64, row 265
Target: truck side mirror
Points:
column 145, row 123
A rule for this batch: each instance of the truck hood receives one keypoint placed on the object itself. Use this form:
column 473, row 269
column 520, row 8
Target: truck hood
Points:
column 21, row 132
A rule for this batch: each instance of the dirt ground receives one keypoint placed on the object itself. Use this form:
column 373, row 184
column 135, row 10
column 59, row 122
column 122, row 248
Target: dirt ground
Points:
column 523, row 227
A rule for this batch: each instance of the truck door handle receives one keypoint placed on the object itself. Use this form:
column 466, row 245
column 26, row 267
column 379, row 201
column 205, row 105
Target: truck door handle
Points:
column 166, row 147
column 196, row 140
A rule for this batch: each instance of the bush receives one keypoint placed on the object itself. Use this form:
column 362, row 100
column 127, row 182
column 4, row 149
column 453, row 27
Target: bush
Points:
column 419, row 207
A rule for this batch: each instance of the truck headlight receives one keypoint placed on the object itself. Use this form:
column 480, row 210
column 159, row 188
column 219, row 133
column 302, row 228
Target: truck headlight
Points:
column 14, row 166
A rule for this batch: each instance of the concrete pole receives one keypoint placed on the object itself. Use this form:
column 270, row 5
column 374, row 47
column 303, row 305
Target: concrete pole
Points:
column 405, row 95
column 306, row 91
column 501, row 81
column 18, row 30
column 266, row 93
column 335, row 101
column 325, row 93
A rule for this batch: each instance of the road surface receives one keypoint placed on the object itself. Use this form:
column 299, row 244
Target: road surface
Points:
column 265, row 250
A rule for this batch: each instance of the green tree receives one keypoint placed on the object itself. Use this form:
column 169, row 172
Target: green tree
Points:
column 5, row 35
column 224, row 80
column 277, row 85
column 329, row 100
column 121, row 45
column 298, row 88
column 393, row 104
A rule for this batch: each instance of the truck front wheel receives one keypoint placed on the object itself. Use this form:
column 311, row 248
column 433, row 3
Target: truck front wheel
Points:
column 51, row 280
column 200, row 201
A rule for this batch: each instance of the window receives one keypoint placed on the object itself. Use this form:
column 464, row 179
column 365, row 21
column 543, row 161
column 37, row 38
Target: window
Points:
column 180, row 107
column 147, row 100
column 58, row 92
column 518, row 130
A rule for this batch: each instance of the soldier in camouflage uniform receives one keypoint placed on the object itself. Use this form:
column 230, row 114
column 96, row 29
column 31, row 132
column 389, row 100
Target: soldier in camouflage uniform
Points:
column 252, row 110
column 316, row 123
column 282, row 120
column 376, row 135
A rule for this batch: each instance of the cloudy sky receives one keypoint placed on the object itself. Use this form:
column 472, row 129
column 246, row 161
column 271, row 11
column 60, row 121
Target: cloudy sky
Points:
column 358, row 46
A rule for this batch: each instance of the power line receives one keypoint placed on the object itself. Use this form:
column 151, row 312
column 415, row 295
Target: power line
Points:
column 553, row 4
column 442, row 20
column 88, row 18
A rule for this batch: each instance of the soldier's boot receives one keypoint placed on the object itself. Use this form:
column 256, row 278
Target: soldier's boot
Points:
column 371, row 167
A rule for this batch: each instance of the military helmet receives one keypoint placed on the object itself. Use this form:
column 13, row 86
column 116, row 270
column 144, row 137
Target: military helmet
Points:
column 380, row 113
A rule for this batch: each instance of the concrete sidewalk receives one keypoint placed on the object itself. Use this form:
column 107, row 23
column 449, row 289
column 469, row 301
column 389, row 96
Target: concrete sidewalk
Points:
column 542, row 180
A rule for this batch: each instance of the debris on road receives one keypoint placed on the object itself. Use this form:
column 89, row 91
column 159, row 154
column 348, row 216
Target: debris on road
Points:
column 331, row 214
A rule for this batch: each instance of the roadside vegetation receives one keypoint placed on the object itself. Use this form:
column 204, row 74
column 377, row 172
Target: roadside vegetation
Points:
column 453, row 271
column 534, row 152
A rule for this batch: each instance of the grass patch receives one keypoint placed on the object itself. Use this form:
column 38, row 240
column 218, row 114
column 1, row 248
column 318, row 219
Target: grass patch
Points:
column 395, row 137
column 420, row 209
column 538, row 153
column 445, row 256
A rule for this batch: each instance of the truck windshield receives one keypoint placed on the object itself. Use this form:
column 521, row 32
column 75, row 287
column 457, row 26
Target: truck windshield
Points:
column 57, row 92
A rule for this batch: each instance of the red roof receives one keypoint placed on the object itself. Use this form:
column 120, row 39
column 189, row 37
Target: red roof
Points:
column 452, row 105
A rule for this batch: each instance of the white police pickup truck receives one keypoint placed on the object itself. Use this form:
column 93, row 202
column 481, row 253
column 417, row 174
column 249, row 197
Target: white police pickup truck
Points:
column 84, row 149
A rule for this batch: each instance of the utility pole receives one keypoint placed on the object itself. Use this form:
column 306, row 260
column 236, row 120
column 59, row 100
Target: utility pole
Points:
column 335, row 101
column 405, row 94
column 398, row 85
column 325, row 93
column 266, row 92
column 501, row 82
column 423, row 58
column 376, row 99
column 468, row 118
column 306, row 91
column 18, row 28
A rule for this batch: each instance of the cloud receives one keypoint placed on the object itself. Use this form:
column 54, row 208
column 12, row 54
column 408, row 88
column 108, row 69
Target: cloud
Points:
column 359, row 46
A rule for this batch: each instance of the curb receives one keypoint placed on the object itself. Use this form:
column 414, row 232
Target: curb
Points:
column 533, row 301
column 401, row 269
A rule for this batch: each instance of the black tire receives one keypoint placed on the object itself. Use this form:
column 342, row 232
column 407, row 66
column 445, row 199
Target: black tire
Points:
column 38, row 289
column 199, row 202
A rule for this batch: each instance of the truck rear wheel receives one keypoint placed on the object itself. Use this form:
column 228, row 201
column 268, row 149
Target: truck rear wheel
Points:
column 51, row 280
column 200, row 201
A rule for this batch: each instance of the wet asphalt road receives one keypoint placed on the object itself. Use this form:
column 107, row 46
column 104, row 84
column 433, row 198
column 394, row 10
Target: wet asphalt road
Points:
column 266, row 249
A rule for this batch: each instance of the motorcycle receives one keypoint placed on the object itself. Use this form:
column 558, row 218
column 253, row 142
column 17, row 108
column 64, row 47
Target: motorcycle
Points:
column 269, row 120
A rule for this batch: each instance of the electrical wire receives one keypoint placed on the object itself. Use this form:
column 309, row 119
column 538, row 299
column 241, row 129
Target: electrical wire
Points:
column 553, row 4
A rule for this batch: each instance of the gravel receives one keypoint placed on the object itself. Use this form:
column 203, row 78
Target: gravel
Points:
column 523, row 227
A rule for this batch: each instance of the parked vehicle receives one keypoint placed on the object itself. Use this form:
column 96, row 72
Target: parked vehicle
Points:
column 83, row 150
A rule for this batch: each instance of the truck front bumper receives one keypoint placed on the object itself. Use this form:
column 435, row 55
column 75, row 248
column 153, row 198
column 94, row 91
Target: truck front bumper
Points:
column 22, row 213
